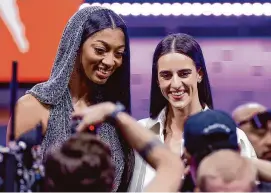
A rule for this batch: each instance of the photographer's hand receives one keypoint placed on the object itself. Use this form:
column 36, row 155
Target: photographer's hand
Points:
column 169, row 167
column 94, row 114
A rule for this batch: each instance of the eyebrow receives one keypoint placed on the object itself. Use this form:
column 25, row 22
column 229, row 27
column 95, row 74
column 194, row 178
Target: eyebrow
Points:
column 164, row 72
column 186, row 70
column 182, row 70
column 107, row 45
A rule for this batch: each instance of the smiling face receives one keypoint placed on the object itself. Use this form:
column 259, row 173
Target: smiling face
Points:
column 178, row 79
column 102, row 53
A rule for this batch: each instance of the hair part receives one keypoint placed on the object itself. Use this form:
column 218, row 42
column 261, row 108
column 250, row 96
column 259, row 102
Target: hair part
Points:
column 113, row 22
column 173, row 45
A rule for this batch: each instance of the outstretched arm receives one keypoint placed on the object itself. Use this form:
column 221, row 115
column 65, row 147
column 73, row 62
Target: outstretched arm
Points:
column 169, row 167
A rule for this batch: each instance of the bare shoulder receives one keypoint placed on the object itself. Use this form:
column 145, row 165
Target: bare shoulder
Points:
column 29, row 105
column 28, row 113
column 26, row 100
column 30, row 108
column 29, row 101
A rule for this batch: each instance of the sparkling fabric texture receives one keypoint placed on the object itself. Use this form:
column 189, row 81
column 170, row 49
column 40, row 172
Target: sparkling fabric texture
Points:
column 55, row 92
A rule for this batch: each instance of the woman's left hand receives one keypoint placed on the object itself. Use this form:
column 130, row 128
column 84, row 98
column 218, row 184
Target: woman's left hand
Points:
column 94, row 114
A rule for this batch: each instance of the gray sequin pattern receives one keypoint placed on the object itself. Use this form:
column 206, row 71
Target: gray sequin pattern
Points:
column 55, row 93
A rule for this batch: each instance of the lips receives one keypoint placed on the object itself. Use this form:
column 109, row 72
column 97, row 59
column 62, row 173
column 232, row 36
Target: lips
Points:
column 177, row 95
column 103, row 73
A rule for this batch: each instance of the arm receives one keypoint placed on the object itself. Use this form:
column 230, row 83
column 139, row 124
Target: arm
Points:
column 28, row 113
column 169, row 166
column 264, row 169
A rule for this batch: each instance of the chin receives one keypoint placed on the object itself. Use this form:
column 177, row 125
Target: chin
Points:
column 179, row 104
column 97, row 80
column 100, row 81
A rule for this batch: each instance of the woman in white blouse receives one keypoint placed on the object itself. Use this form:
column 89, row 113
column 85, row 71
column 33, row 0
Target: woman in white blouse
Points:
column 180, row 87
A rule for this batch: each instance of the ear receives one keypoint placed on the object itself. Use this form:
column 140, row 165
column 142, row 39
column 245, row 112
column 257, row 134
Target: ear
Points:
column 199, row 75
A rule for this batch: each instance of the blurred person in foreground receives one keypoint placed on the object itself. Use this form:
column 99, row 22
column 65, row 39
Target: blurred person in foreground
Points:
column 226, row 171
column 255, row 120
column 83, row 162
column 215, row 130
column 206, row 132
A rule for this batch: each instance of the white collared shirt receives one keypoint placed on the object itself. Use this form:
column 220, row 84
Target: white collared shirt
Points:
column 158, row 125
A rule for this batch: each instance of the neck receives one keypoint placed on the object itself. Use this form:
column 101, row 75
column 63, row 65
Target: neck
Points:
column 79, row 88
column 176, row 117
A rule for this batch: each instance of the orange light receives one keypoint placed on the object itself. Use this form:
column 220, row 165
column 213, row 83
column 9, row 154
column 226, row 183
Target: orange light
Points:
column 91, row 128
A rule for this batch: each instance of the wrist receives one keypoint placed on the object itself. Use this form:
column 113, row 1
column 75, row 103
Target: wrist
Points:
column 117, row 108
column 109, row 108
